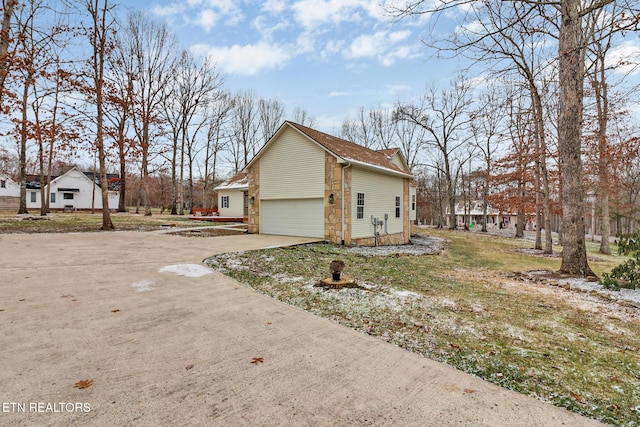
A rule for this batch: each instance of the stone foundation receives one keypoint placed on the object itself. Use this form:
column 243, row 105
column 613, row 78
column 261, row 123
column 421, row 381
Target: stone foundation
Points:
column 383, row 239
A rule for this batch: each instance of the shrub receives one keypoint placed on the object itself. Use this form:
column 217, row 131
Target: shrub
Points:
column 627, row 274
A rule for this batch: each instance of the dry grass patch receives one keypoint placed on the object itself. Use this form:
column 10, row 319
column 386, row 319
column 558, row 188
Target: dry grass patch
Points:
column 460, row 307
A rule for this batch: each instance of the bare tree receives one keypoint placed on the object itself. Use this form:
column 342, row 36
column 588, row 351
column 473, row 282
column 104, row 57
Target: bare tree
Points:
column 360, row 130
column 100, row 33
column 271, row 113
column 120, row 106
column 487, row 129
column 566, row 18
column 445, row 119
column 8, row 7
column 218, row 113
column 301, row 116
column 412, row 140
column 153, row 49
column 246, row 128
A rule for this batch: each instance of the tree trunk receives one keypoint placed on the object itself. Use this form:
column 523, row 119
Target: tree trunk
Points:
column 122, row 199
column 22, row 209
column 5, row 39
column 571, row 77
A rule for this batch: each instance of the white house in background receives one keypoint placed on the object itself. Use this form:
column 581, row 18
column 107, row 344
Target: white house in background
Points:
column 73, row 190
column 232, row 196
column 8, row 187
column 9, row 193
column 495, row 219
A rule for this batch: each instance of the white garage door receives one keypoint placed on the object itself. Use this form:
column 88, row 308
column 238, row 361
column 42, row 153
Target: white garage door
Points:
column 293, row 217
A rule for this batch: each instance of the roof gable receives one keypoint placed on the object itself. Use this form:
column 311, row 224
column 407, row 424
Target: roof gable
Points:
column 347, row 151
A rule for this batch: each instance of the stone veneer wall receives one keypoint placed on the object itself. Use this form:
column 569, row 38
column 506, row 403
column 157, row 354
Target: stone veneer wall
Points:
column 406, row 222
column 347, row 205
column 332, row 211
column 253, row 177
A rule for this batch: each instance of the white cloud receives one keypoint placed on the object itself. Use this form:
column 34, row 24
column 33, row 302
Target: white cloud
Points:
column 246, row 59
column 625, row 58
column 337, row 93
column 312, row 13
column 381, row 45
column 167, row 11
column 274, row 6
column 367, row 45
column 398, row 36
column 267, row 26
column 202, row 13
column 207, row 19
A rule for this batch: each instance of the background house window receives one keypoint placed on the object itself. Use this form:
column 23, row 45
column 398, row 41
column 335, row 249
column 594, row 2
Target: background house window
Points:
column 225, row 201
column 413, row 202
column 3, row 184
column 67, row 196
column 360, row 206
column 397, row 206
column 53, row 197
column 33, row 197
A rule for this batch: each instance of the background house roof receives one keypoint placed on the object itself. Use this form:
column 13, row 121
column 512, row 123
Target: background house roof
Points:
column 113, row 180
column 237, row 182
column 352, row 152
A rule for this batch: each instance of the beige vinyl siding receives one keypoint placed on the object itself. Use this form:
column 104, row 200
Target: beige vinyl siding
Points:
column 396, row 160
column 380, row 198
column 292, row 167
column 236, row 203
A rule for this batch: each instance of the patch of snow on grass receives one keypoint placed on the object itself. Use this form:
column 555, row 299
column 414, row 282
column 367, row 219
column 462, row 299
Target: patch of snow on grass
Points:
column 188, row 270
column 143, row 285
column 420, row 245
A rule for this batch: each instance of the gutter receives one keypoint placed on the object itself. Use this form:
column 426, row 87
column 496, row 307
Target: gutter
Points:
column 343, row 202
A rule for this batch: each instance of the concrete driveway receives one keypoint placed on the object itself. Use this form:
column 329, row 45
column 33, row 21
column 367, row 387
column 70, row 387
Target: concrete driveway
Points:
column 111, row 311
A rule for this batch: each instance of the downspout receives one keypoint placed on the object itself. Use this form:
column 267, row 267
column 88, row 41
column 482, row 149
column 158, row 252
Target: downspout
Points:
column 343, row 203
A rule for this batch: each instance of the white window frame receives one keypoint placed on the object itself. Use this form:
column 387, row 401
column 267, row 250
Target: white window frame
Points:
column 360, row 206
column 224, row 202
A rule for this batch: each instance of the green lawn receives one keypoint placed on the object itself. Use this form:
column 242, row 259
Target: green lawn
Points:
column 84, row 221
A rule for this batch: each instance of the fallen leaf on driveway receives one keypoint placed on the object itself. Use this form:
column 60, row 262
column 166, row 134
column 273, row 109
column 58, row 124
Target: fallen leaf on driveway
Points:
column 469, row 390
column 115, row 311
column 257, row 360
column 83, row 384
column 188, row 367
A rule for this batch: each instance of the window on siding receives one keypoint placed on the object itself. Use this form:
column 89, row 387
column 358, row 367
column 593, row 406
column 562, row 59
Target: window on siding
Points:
column 225, row 201
column 33, row 197
column 67, row 196
column 360, row 206
column 53, row 197
column 413, row 202
column 397, row 206
column 3, row 184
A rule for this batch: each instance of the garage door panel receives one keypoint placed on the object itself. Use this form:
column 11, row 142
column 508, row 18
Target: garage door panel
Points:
column 293, row 217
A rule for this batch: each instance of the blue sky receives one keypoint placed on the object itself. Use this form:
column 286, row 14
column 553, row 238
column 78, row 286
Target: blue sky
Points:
column 330, row 57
